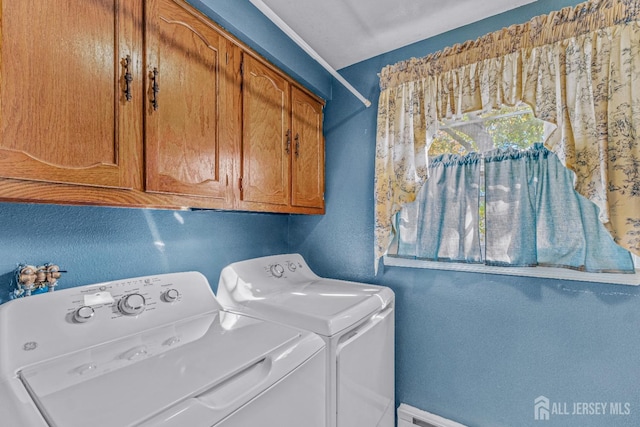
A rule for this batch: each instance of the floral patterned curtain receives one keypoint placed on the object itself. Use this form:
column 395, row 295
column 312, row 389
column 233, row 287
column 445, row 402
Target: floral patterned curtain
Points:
column 579, row 70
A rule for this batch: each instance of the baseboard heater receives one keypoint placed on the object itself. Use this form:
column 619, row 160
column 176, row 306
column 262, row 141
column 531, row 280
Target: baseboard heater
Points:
column 408, row 416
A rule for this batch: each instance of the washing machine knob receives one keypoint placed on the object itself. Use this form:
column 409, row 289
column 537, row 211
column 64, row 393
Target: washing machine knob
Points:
column 83, row 314
column 277, row 270
column 132, row 304
column 170, row 295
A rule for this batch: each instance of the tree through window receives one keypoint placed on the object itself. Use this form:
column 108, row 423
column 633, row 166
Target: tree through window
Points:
column 507, row 127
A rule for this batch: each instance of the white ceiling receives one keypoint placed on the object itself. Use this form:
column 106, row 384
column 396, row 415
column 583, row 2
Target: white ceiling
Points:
column 345, row 32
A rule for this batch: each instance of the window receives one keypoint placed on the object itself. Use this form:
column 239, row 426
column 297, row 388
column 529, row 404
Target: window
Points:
column 497, row 200
column 508, row 127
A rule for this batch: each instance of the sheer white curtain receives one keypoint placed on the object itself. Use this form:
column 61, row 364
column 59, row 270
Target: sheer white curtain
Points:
column 535, row 217
column 532, row 215
column 443, row 223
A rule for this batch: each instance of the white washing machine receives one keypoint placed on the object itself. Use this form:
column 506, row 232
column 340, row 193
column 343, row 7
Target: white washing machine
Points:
column 356, row 321
column 153, row 351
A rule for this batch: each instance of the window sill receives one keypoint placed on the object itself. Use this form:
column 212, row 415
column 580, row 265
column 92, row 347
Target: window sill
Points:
column 542, row 272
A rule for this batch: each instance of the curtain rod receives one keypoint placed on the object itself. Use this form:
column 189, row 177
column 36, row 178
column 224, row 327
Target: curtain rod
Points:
column 266, row 10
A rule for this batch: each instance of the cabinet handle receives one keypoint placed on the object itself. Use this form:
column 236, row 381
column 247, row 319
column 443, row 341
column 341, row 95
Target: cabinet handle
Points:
column 297, row 152
column 288, row 149
column 155, row 88
column 128, row 78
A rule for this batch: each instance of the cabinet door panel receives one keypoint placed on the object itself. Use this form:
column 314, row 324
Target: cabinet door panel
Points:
column 307, row 168
column 265, row 162
column 63, row 115
column 184, row 152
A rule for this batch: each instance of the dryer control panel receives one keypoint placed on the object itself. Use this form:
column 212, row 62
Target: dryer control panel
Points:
column 291, row 267
column 279, row 268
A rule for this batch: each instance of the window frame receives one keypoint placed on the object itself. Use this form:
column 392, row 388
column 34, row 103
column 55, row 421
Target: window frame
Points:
column 630, row 279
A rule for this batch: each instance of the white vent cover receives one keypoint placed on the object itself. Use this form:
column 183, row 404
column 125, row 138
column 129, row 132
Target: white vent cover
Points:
column 408, row 416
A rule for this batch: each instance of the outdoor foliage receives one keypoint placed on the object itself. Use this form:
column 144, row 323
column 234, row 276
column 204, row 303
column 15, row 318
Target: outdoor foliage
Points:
column 507, row 127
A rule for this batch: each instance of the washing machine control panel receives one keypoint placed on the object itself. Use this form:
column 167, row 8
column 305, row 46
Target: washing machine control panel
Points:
column 130, row 297
column 155, row 296
column 102, row 312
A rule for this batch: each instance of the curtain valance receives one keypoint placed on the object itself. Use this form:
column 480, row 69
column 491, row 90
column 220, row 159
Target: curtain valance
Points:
column 578, row 68
column 539, row 31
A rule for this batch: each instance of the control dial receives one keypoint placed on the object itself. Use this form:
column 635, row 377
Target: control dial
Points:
column 83, row 314
column 132, row 304
column 277, row 270
column 170, row 295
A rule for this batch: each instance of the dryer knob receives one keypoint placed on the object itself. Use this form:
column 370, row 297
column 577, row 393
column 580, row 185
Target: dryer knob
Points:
column 83, row 314
column 132, row 304
column 277, row 270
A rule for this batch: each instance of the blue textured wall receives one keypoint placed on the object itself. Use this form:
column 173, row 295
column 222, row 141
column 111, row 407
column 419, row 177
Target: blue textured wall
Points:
column 98, row 244
column 472, row 347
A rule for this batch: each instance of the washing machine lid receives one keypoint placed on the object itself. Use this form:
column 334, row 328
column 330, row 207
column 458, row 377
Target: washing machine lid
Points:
column 284, row 289
column 199, row 370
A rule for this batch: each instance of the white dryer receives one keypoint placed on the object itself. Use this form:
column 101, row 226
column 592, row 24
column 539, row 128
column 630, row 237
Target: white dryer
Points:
column 356, row 321
column 153, row 351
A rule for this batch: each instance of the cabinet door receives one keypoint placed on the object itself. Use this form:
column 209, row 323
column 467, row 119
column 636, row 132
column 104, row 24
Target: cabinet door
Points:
column 307, row 181
column 266, row 146
column 186, row 60
column 63, row 113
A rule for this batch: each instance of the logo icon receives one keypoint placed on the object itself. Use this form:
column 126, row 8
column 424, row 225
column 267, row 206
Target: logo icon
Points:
column 541, row 408
column 31, row 345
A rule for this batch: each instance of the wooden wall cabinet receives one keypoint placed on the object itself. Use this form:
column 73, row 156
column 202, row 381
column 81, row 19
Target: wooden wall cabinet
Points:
column 140, row 103
column 186, row 149
column 282, row 150
column 307, row 161
column 63, row 116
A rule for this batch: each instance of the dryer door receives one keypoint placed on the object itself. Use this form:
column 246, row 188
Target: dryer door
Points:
column 365, row 373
